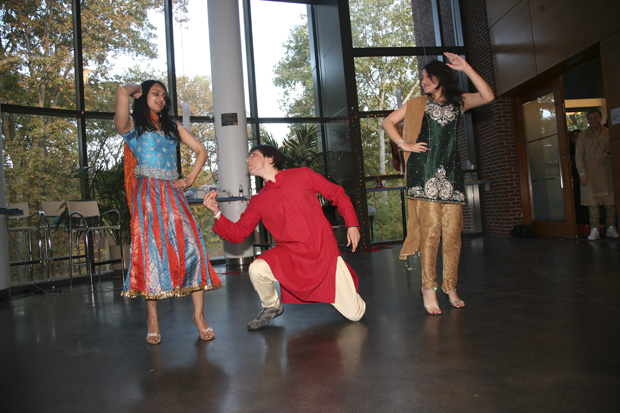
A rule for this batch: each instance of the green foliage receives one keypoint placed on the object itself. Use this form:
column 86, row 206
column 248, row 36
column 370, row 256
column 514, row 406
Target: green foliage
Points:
column 300, row 148
column 107, row 187
column 294, row 74
column 381, row 23
column 37, row 70
column 577, row 120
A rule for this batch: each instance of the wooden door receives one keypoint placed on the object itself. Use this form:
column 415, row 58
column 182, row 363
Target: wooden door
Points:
column 544, row 159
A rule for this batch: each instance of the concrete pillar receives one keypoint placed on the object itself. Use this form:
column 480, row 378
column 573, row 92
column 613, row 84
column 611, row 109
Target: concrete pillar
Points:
column 230, row 119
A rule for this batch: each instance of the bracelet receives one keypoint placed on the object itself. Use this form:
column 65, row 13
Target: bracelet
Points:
column 216, row 216
column 400, row 143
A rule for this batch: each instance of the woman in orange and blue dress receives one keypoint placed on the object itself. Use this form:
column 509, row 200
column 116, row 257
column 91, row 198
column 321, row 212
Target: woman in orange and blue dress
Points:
column 435, row 184
column 168, row 256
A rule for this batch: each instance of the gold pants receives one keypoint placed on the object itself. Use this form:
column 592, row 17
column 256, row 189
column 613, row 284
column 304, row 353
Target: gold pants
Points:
column 444, row 222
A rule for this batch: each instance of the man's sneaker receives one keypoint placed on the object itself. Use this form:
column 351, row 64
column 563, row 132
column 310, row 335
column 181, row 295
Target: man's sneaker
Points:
column 265, row 317
column 594, row 235
column 611, row 232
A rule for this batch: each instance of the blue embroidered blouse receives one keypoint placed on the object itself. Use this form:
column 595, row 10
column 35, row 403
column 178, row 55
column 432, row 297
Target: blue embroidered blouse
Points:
column 156, row 154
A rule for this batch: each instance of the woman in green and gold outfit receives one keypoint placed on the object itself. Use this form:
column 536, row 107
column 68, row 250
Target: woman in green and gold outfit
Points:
column 435, row 186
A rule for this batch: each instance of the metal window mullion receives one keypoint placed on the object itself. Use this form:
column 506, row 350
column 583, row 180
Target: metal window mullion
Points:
column 437, row 23
column 171, row 67
column 76, row 9
column 251, row 68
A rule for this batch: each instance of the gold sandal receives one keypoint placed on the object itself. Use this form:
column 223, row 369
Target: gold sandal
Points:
column 458, row 304
column 152, row 338
column 205, row 335
column 430, row 308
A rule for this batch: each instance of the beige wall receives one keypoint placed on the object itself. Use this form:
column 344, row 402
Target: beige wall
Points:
column 529, row 37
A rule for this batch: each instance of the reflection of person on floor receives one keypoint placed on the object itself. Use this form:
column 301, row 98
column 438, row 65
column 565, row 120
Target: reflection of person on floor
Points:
column 168, row 256
column 306, row 259
column 435, row 183
column 335, row 358
column 593, row 159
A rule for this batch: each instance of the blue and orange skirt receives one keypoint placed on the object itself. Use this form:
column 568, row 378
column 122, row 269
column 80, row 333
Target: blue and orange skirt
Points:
column 168, row 256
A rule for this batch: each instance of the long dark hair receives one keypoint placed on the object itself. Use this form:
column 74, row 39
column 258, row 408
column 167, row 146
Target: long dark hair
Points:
column 142, row 114
column 447, row 80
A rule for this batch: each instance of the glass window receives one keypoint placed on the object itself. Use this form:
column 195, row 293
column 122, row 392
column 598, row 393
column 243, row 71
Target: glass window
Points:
column 117, row 52
column 40, row 157
column 104, row 144
column 205, row 134
column 377, row 152
column 192, row 57
column 284, row 84
column 379, row 78
column 205, row 221
column 385, row 210
column 447, row 24
column 383, row 23
column 37, row 69
column 300, row 142
column 197, row 92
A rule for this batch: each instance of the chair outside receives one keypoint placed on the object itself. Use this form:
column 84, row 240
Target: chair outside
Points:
column 32, row 227
column 86, row 223
column 52, row 210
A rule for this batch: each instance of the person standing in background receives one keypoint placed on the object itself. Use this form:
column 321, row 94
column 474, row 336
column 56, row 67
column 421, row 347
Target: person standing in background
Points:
column 593, row 160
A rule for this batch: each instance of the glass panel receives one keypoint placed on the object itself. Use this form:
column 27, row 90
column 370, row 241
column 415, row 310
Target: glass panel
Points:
column 284, row 84
column 300, row 142
column 205, row 221
column 104, row 144
column 40, row 156
column 40, row 160
column 129, row 50
column 192, row 57
column 205, row 134
column 544, row 159
column 377, row 152
column 37, row 62
column 379, row 78
column 383, row 23
column 472, row 214
column 385, row 210
column 447, row 23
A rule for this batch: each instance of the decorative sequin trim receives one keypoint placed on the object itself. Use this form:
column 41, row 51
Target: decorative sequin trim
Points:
column 437, row 188
column 442, row 114
column 157, row 173
column 177, row 292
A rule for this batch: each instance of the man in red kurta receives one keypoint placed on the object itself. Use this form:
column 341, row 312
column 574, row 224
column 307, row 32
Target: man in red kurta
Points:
column 306, row 260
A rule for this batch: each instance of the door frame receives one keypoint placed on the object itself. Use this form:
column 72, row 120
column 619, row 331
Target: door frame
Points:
column 560, row 229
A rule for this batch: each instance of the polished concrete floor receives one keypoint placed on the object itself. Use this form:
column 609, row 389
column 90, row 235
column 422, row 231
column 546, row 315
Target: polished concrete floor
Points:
column 541, row 332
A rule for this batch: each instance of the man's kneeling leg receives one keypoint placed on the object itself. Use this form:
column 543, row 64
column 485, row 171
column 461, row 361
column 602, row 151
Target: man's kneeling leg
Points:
column 348, row 302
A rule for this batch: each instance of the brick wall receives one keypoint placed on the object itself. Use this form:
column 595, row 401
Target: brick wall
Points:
column 493, row 129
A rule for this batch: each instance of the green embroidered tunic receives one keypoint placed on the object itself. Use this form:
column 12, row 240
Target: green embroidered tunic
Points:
column 436, row 175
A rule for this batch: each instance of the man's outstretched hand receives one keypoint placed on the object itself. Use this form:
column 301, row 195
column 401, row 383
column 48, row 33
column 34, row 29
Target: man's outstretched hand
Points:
column 210, row 202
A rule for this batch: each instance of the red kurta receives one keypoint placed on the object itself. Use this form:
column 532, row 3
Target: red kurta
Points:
column 304, row 258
